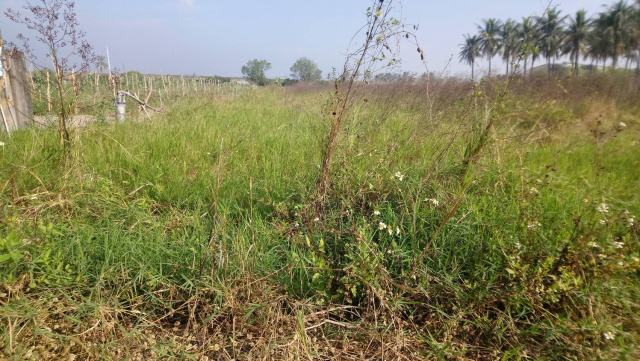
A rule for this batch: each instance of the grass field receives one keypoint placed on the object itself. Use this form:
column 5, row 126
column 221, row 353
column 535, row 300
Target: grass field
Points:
column 461, row 223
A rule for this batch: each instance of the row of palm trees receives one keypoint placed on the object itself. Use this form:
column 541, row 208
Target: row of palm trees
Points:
column 613, row 34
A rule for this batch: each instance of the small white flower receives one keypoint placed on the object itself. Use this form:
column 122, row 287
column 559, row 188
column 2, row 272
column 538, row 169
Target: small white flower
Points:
column 593, row 244
column 586, row 200
column 399, row 176
column 620, row 263
column 533, row 190
column 534, row 224
column 390, row 231
column 398, row 230
column 433, row 201
column 602, row 256
column 630, row 221
column 370, row 186
column 316, row 219
column 622, row 125
column 382, row 226
column 1, row 144
column 609, row 335
column 618, row 245
column 603, row 208
column 389, row 251
column 376, row 212
column 518, row 245
column 296, row 225
column 602, row 221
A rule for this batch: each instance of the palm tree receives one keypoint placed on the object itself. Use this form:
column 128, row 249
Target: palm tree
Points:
column 552, row 35
column 510, row 41
column 600, row 41
column 576, row 37
column 529, row 36
column 101, row 63
column 470, row 51
column 490, row 39
column 619, row 16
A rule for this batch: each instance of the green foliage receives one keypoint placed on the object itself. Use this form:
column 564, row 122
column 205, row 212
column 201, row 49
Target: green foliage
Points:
column 306, row 70
column 254, row 71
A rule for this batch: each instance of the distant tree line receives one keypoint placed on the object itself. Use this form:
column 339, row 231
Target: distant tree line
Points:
column 611, row 35
column 303, row 70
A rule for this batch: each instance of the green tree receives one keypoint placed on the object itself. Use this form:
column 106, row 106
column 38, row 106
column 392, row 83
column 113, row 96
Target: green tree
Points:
column 552, row 35
column 490, row 39
column 619, row 24
column 470, row 51
column 576, row 37
column 510, row 42
column 254, row 71
column 305, row 69
column 529, row 39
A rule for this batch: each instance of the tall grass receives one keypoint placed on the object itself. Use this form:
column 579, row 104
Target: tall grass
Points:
column 194, row 234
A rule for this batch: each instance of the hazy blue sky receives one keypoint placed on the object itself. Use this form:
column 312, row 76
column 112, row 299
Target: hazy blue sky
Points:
column 216, row 37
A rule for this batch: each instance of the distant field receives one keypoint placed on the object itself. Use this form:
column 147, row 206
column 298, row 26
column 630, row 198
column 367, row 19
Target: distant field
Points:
column 464, row 221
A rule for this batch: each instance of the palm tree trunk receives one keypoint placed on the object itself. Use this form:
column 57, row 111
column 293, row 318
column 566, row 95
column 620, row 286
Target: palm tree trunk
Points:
column 472, row 74
column 525, row 65
column 626, row 66
column 533, row 61
column 490, row 66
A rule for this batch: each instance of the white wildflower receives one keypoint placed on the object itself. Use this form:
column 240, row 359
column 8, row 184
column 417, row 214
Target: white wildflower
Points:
column 390, row 231
column 603, row 208
column 398, row 230
column 534, row 224
column 602, row 256
column 533, row 190
column 620, row 263
column 586, row 200
column 518, row 245
column 433, row 201
column 602, row 221
column 593, row 245
column 399, row 176
column 1, row 144
column 609, row 335
column 382, row 226
column 370, row 186
column 376, row 212
column 618, row 245
column 622, row 125
column 316, row 219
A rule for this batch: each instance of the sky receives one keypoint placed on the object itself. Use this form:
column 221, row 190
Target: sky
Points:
column 217, row 37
